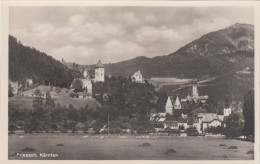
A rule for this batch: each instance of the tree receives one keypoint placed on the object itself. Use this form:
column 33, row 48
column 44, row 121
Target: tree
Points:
column 49, row 102
column 234, row 126
column 10, row 91
column 249, row 114
column 13, row 117
column 77, row 85
column 192, row 131
column 38, row 115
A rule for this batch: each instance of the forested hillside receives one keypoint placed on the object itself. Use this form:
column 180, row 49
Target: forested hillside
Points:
column 26, row 62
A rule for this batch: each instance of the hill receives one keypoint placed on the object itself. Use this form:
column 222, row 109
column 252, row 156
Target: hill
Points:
column 26, row 62
column 210, row 55
column 59, row 95
column 218, row 59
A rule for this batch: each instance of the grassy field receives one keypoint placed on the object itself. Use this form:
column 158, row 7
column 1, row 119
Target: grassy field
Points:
column 77, row 147
column 26, row 102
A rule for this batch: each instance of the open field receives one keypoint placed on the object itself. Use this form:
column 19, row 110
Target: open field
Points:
column 159, row 82
column 77, row 147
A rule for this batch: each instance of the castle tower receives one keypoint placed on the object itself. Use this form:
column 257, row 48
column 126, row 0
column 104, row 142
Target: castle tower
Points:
column 227, row 111
column 195, row 91
column 169, row 106
column 85, row 73
column 99, row 72
column 177, row 104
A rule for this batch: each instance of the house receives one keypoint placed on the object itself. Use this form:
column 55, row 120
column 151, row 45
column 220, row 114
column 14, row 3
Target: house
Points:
column 184, row 116
column 83, row 95
column 161, row 119
column 137, row 77
column 209, row 120
column 170, row 124
column 99, row 72
column 183, row 124
column 15, row 86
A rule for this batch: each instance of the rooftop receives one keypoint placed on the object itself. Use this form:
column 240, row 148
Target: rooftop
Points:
column 99, row 64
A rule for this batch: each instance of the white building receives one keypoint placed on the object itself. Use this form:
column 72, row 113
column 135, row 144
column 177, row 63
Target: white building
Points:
column 99, row 72
column 227, row 111
column 85, row 73
column 137, row 77
column 29, row 82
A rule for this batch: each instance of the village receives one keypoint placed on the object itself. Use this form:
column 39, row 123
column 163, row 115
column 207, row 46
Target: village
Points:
column 174, row 120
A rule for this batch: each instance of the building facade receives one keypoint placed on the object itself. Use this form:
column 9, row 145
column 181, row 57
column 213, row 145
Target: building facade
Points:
column 137, row 77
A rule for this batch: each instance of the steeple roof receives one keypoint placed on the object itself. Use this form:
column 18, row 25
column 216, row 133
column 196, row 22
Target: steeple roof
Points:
column 99, row 64
column 169, row 102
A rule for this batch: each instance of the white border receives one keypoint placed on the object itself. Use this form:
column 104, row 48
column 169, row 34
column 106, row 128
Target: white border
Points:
column 4, row 70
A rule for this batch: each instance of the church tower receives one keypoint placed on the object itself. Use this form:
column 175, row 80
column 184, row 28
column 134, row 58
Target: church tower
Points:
column 169, row 106
column 227, row 111
column 177, row 104
column 195, row 91
column 99, row 72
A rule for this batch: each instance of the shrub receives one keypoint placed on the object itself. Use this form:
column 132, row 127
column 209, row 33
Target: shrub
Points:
column 146, row 144
column 28, row 149
column 222, row 145
column 250, row 152
column 232, row 147
column 59, row 145
column 192, row 131
column 170, row 151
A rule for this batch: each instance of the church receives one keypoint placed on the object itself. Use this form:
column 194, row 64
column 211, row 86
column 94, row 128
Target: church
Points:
column 169, row 107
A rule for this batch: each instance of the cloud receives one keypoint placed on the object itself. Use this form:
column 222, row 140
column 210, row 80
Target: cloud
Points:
column 123, row 50
column 63, row 31
column 90, row 32
column 128, row 18
column 150, row 35
column 112, row 34
column 69, row 53
column 76, row 20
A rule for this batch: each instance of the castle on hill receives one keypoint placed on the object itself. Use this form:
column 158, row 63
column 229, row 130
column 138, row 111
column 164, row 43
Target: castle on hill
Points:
column 87, row 80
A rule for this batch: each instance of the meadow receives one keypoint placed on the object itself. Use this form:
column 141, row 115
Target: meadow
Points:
column 82, row 147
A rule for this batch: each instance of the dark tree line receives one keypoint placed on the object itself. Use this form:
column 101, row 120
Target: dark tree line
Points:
column 27, row 62
column 249, row 114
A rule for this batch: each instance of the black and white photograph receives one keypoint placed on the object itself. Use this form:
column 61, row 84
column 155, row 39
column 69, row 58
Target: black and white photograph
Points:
column 131, row 83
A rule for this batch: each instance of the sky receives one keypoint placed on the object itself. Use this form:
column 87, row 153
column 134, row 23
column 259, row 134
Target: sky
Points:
column 112, row 34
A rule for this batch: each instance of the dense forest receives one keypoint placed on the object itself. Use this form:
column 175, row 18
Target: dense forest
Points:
column 26, row 62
